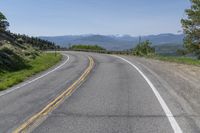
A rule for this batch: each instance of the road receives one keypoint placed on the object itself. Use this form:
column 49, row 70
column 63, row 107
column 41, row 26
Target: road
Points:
column 115, row 98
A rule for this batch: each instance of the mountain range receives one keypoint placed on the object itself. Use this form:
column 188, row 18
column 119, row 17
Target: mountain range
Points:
column 116, row 42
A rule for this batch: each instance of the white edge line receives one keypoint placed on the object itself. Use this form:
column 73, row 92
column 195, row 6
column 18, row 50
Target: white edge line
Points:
column 166, row 109
column 31, row 81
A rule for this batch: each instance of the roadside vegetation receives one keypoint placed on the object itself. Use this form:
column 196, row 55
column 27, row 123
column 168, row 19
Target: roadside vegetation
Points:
column 22, row 56
column 87, row 47
column 42, row 62
column 144, row 49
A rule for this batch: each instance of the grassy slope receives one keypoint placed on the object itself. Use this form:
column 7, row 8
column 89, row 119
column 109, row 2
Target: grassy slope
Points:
column 40, row 63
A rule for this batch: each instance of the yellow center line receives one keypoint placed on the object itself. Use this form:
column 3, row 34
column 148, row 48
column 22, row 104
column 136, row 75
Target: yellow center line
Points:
column 52, row 105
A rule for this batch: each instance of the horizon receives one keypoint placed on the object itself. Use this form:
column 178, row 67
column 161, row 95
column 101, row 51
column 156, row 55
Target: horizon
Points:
column 116, row 35
column 60, row 18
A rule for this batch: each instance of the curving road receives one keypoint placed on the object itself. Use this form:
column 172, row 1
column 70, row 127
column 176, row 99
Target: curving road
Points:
column 20, row 104
column 115, row 98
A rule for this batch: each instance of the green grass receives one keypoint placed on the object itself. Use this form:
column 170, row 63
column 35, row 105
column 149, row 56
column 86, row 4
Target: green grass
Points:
column 40, row 63
column 182, row 60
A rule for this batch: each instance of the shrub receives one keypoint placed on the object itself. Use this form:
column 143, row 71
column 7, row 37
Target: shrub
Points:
column 144, row 49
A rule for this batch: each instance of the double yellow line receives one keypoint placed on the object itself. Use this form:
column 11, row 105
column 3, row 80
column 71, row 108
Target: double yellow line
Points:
column 52, row 105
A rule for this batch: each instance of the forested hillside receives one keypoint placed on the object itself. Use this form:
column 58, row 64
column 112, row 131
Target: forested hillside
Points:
column 22, row 56
column 16, row 49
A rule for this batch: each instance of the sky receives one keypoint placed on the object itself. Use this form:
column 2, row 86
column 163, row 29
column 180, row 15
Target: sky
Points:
column 106, row 17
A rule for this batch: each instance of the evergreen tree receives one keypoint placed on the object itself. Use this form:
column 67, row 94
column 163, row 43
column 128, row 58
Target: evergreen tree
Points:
column 3, row 22
column 191, row 27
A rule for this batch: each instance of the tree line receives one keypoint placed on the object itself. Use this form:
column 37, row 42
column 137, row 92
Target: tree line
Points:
column 24, row 39
column 35, row 42
column 86, row 47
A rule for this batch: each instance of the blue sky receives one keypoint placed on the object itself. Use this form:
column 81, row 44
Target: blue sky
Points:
column 75, row 17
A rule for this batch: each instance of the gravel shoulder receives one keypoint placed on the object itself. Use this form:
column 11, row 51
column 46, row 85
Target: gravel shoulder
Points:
column 184, row 79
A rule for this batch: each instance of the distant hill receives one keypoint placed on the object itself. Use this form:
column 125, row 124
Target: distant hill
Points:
column 115, row 42
column 168, row 49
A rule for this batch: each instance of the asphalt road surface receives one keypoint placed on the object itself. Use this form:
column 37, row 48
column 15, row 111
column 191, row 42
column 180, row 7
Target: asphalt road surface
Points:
column 119, row 96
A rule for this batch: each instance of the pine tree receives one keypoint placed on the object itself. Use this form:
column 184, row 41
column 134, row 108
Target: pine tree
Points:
column 191, row 27
column 3, row 22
